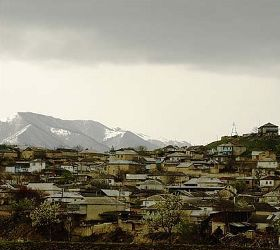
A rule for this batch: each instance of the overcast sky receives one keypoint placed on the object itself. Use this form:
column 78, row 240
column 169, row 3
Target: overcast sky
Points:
column 181, row 69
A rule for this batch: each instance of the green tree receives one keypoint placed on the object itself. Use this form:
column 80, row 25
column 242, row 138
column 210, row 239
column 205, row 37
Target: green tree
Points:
column 240, row 186
column 189, row 232
column 22, row 208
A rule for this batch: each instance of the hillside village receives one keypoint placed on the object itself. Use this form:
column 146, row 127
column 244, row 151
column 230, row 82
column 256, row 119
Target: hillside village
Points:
column 229, row 188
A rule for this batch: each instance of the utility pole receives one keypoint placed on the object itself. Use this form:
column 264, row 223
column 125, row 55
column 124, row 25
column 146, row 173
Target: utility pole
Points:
column 234, row 130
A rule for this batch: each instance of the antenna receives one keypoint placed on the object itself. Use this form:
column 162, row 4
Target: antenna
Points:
column 234, row 130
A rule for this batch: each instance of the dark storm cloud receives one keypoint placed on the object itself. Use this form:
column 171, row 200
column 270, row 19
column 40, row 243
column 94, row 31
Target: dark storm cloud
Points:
column 206, row 33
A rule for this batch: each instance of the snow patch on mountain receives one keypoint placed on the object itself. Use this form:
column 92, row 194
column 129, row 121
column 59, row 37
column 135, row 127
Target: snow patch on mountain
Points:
column 50, row 132
column 111, row 133
column 14, row 138
column 9, row 118
column 60, row 131
column 144, row 137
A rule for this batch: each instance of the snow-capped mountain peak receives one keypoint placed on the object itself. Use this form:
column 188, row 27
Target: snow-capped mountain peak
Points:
column 26, row 128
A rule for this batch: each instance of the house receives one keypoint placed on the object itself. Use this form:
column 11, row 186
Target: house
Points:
column 264, row 209
column 48, row 188
column 177, row 157
column 71, row 168
column 269, row 182
column 92, row 208
column 6, row 194
column 123, row 166
column 169, row 178
column 262, row 222
column 90, row 155
column 26, row 167
column 68, row 153
column 8, row 154
column 118, row 194
column 272, row 198
column 205, row 182
column 18, row 167
column 230, row 149
column 151, row 200
column 169, row 166
column 151, row 163
column 268, row 129
column 133, row 179
column 65, row 197
column 263, row 155
column 151, row 185
column 37, row 166
column 264, row 216
column 265, row 168
column 105, row 179
column 250, row 182
column 126, row 155
column 195, row 152
column 231, row 218
column 199, row 184
column 32, row 153
column 198, row 168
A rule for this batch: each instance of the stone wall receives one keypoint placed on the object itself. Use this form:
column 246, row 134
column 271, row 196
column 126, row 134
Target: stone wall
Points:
column 92, row 246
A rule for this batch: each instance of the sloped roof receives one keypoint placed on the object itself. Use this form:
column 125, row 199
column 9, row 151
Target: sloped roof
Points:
column 271, row 178
column 126, row 152
column 66, row 195
column 104, row 200
column 43, row 186
column 123, row 162
column 268, row 125
column 262, row 219
column 265, row 207
column 151, row 182
column 116, row 193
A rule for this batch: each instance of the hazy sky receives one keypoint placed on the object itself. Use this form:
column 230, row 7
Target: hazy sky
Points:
column 181, row 69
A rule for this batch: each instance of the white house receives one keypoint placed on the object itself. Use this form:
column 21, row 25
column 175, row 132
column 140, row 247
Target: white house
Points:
column 269, row 182
column 71, row 168
column 36, row 166
column 26, row 167
column 18, row 167
column 267, row 164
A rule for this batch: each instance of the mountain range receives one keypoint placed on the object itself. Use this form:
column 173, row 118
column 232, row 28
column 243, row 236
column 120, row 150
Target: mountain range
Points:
column 31, row 129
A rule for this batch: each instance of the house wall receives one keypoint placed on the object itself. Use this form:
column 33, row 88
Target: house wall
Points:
column 267, row 183
column 149, row 186
column 93, row 211
column 9, row 155
column 36, row 166
column 262, row 226
column 267, row 164
column 115, row 169
column 27, row 155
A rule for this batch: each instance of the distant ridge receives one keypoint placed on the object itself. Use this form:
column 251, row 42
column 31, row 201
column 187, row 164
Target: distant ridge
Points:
column 31, row 129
